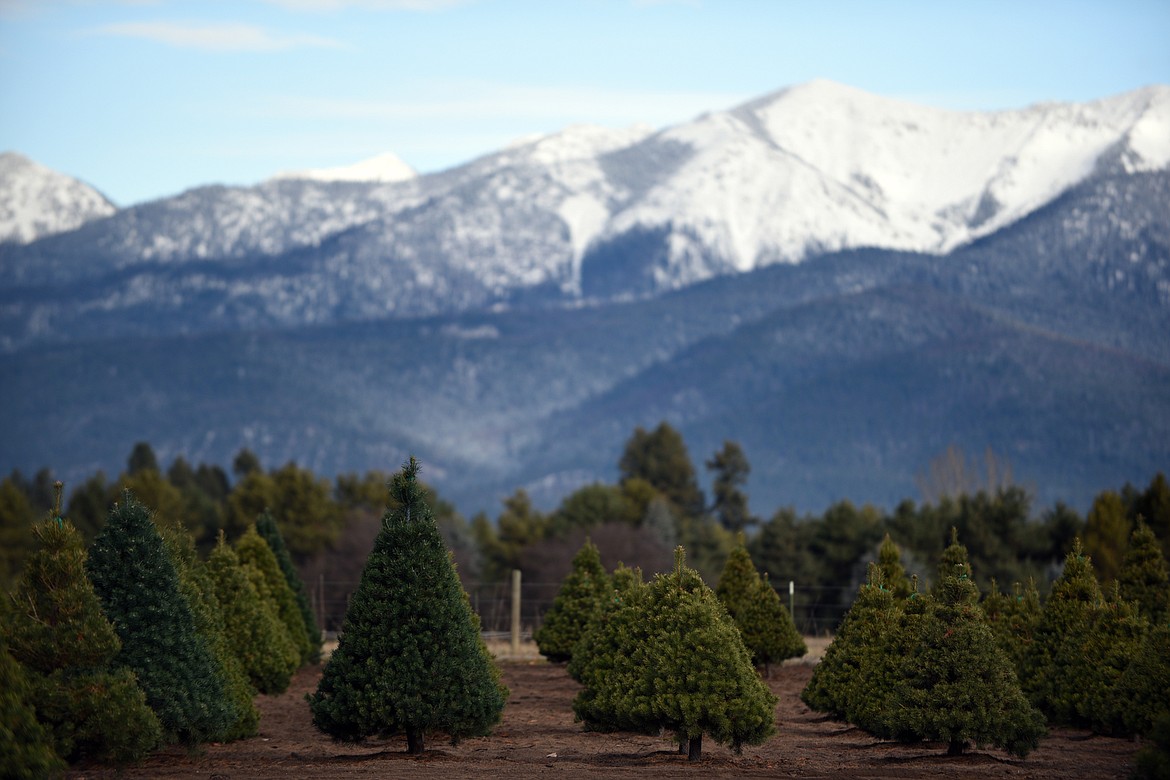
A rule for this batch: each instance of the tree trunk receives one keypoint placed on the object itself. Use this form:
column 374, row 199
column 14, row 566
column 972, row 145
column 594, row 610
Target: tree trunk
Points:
column 956, row 748
column 414, row 742
column 695, row 751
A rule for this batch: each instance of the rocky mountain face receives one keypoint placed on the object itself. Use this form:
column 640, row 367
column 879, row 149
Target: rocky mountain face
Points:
column 843, row 283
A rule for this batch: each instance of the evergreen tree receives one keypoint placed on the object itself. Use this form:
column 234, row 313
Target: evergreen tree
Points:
column 762, row 619
column 1107, row 530
column 140, row 593
column 958, row 687
column 267, row 528
column 26, row 748
column 1144, row 577
column 1145, row 685
column 1057, row 677
column 253, row 631
column 893, row 573
column 873, row 616
column 660, row 457
column 596, row 642
column 579, row 598
column 410, row 657
column 679, row 663
column 60, row 635
column 197, row 586
column 1113, row 641
column 259, row 560
column 1013, row 619
column 731, row 469
column 954, row 558
column 16, row 539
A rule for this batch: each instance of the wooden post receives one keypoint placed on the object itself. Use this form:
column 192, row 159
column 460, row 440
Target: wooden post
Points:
column 321, row 601
column 515, row 612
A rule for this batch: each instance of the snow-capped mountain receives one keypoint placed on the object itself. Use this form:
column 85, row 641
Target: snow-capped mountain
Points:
column 36, row 201
column 384, row 168
column 594, row 213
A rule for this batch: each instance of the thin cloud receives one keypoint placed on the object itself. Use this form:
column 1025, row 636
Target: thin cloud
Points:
column 368, row 5
column 215, row 37
column 496, row 101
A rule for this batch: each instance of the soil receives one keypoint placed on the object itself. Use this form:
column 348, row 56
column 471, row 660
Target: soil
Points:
column 538, row 738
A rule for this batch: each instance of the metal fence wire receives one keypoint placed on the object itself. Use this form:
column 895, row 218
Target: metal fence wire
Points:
column 817, row 610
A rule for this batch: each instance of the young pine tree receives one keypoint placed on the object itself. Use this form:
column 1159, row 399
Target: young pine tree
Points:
column 594, row 647
column 253, row 631
column 958, row 687
column 893, row 573
column 197, row 586
column 140, row 594
column 410, row 656
column 1013, row 619
column 681, row 665
column 1144, row 576
column 268, row 529
column 260, row 562
column 1057, row 676
column 871, row 619
column 579, row 598
column 1113, row 641
column 26, row 747
column 767, row 629
column 59, row 634
column 1145, row 687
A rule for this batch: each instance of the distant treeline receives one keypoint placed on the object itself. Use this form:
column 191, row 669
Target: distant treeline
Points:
column 656, row 504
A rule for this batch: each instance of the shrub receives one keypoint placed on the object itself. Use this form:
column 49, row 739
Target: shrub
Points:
column 410, row 657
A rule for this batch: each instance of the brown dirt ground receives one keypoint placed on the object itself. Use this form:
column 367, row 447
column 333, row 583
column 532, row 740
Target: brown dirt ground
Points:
column 538, row 738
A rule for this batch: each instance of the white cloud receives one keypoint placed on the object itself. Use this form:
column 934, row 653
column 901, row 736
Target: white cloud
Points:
column 215, row 37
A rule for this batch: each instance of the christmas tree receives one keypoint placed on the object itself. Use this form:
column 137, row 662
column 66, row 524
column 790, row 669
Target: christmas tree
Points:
column 871, row 619
column 1013, row 619
column 1145, row 687
column 26, row 748
column 60, row 635
column 197, row 586
column 1057, row 676
column 253, row 631
column 755, row 606
column 598, row 640
column 1144, row 576
column 957, row 685
column 579, row 598
column 679, row 664
column 259, row 560
column 410, row 658
column 893, row 573
column 140, row 593
column 268, row 529
column 1107, row 649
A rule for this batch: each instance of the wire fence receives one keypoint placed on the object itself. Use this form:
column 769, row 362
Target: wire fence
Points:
column 817, row 610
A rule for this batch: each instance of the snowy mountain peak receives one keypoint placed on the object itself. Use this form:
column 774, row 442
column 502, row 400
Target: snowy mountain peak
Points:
column 385, row 168
column 36, row 201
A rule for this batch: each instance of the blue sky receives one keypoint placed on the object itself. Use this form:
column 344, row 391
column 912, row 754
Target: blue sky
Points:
column 147, row 98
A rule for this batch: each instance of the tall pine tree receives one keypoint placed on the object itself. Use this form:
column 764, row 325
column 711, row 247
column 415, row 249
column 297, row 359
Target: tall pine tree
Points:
column 410, row 658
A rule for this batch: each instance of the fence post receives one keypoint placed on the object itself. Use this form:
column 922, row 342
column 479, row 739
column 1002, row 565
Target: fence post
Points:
column 515, row 612
column 792, row 600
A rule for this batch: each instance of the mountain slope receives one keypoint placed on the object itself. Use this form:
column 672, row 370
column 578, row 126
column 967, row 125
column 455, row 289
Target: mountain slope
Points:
column 36, row 201
column 582, row 215
column 840, row 376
